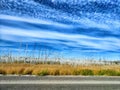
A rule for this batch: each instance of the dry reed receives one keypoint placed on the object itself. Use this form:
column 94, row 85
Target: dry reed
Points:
column 58, row 69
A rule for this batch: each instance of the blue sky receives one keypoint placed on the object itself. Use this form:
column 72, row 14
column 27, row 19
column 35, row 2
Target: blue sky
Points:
column 83, row 28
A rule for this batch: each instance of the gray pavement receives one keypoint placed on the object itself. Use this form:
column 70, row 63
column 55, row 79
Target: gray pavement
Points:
column 59, row 83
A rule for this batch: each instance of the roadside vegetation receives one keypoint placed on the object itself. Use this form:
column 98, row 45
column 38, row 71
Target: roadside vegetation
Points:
column 43, row 69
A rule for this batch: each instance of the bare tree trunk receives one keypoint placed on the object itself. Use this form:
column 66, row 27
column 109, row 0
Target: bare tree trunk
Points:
column 26, row 53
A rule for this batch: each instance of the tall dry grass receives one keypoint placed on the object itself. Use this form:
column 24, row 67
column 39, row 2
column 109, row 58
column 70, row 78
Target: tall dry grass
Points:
column 58, row 69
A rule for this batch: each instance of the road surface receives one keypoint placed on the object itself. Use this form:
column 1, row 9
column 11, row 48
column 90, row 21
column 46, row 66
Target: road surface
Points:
column 59, row 83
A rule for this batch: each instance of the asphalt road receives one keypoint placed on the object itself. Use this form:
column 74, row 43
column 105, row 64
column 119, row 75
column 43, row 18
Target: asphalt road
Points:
column 59, row 83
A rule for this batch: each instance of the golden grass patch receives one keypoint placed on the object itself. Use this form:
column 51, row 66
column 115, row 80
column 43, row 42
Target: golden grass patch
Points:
column 58, row 69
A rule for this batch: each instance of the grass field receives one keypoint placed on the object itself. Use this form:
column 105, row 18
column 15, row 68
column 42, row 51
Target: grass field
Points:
column 58, row 69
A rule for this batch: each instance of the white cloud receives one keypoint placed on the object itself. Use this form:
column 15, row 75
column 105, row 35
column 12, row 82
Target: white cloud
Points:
column 32, row 20
column 73, row 39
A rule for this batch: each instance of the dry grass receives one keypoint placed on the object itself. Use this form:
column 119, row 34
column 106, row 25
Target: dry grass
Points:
column 57, row 69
